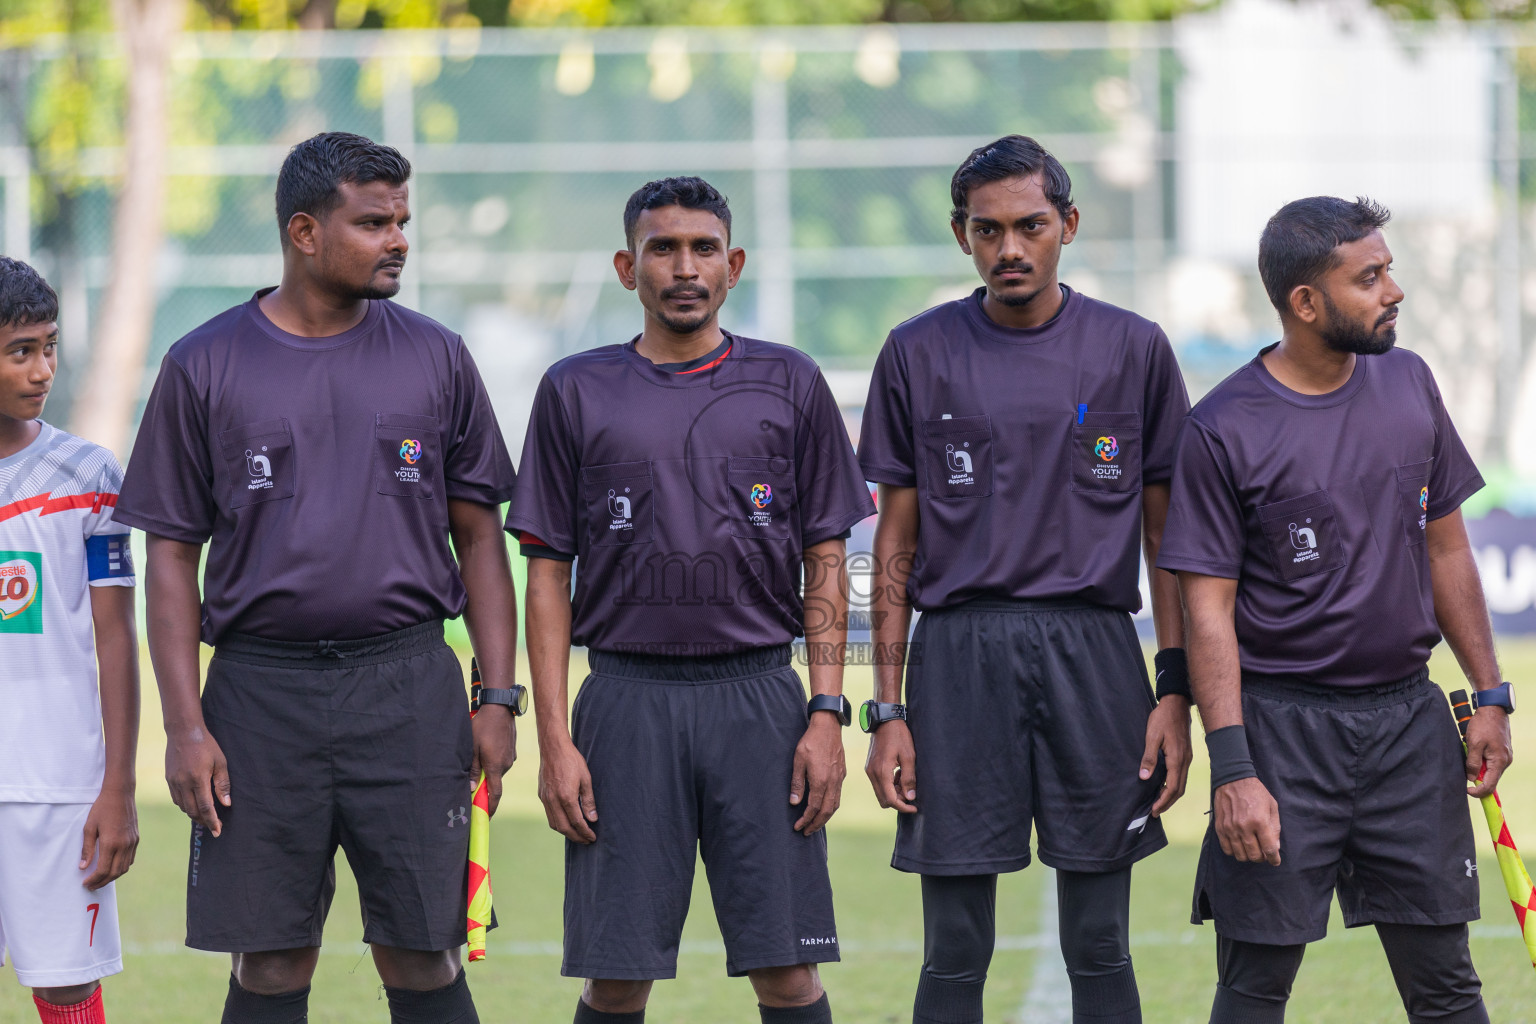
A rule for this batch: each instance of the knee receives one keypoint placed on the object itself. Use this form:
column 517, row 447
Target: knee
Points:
column 67, row 995
column 415, row 970
column 1095, row 945
column 799, row 985
column 276, row 972
column 616, row 996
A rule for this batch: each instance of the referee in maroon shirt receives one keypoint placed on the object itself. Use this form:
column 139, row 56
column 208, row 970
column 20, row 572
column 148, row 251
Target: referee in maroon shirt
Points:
column 339, row 457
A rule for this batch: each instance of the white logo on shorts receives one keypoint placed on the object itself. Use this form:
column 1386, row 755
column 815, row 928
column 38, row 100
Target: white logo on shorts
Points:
column 459, row 817
column 1470, row 867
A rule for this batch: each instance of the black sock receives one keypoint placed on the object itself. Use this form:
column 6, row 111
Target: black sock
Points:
column 819, row 1012
column 450, row 1004
column 245, row 1007
column 1106, row 997
column 947, row 1002
column 586, row 1015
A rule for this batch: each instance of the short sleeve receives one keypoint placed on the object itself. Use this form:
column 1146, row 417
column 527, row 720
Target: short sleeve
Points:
column 108, row 556
column 1165, row 406
column 168, row 487
column 1454, row 477
column 885, row 435
column 831, row 490
column 478, row 467
column 544, row 503
column 1205, row 531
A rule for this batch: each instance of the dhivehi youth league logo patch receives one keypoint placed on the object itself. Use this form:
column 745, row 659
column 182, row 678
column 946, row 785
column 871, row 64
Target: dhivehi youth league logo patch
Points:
column 761, row 496
column 21, row 592
column 410, row 454
column 1105, row 449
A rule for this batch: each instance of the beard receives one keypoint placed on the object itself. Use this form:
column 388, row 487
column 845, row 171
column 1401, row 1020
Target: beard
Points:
column 685, row 323
column 1352, row 336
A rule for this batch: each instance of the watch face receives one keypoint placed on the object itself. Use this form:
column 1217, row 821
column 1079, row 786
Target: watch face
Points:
column 522, row 700
column 864, row 722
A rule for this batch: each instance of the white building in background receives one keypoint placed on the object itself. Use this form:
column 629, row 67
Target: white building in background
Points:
column 1282, row 99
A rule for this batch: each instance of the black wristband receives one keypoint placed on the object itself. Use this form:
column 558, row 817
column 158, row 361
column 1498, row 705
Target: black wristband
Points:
column 1230, row 760
column 1172, row 673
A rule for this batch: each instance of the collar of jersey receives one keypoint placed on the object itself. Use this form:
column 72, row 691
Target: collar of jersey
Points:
column 369, row 321
column 1071, row 302
column 693, row 379
column 1343, row 393
column 46, row 430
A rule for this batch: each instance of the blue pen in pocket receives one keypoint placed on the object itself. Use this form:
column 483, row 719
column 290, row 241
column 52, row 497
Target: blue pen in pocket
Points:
column 1082, row 410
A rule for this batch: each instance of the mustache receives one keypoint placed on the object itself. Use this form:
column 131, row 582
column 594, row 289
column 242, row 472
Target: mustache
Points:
column 397, row 262
column 999, row 268
column 1388, row 315
column 689, row 291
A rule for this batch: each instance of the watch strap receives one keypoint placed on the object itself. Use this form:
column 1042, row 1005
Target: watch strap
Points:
column 1501, row 696
column 877, row 713
column 833, row 702
column 514, row 699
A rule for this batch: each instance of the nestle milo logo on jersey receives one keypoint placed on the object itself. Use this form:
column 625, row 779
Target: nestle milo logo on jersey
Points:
column 1106, row 449
column 21, row 592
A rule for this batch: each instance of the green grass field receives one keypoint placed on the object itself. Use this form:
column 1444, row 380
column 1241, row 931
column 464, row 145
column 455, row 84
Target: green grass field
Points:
column 1345, row 977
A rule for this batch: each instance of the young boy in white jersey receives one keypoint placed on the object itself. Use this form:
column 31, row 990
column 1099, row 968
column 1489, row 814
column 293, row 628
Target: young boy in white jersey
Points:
column 67, row 821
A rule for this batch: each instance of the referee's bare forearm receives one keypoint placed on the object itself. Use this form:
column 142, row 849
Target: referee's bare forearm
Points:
column 895, row 549
column 174, row 623
column 1215, row 673
column 548, row 598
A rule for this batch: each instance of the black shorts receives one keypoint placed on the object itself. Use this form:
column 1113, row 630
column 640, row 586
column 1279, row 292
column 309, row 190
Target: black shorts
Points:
column 362, row 744
column 1028, row 712
column 1371, row 786
column 692, row 756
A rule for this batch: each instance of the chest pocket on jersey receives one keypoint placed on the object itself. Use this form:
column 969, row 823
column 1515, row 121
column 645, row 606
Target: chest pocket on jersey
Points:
column 408, row 455
column 1106, row 453
column 762, row 498
column 259, row 460
column 1303, row 536
column 957, row 457
column 1413, row 499
column 618, row 503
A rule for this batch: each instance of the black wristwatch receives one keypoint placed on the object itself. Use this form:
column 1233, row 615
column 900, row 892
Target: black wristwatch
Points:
column 514, row 700
column 833, row 702
column 1501, row 696
column 873, row 714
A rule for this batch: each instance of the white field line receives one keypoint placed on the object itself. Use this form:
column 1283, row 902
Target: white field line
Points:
column 1049, row 999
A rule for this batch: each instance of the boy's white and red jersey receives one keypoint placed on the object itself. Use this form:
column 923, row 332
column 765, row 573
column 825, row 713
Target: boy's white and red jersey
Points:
column 57, row 540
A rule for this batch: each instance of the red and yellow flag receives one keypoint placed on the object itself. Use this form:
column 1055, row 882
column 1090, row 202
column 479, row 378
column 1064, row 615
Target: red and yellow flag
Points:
column 1517, row 881
column 480, row 870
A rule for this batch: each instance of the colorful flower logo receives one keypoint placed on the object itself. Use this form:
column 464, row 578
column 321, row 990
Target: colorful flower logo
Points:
column 1423, row 499
column 410, row 451
column 1107, row 448
column 762, row 495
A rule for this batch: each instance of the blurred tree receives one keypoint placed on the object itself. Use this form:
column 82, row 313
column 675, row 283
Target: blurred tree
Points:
column 103, row 411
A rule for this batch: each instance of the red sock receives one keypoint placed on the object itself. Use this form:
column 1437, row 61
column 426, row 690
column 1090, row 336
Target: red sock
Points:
column 87, row 1012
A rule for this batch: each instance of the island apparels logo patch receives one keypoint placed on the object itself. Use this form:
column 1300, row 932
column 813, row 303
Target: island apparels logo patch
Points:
column 761, row 497
column 1106, row 448
column 1423, row 505
column 260, row 469
column 1303, row 543
column 958, row 461
column 410, row 454
column 620, row 511
column 21, row 592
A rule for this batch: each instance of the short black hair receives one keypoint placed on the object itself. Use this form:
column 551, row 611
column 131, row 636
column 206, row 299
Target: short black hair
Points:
column 312, row 175
column 1300, row 243
column 689, row 192
column 1012, row 156
column 25, row 298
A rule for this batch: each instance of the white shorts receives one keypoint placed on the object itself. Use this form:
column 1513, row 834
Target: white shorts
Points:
column 56, row 932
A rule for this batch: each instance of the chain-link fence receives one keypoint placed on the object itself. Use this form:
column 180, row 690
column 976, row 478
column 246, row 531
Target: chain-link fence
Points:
column 835, row 146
